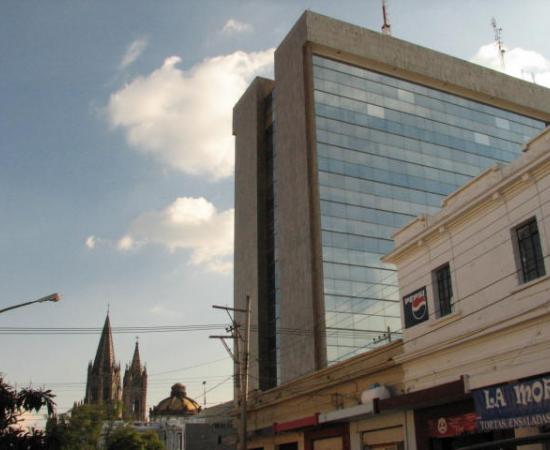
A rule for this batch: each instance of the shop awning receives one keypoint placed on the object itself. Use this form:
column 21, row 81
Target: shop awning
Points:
column 304, row 422
column 443, row 393
column 505, row 443
column 355, row 412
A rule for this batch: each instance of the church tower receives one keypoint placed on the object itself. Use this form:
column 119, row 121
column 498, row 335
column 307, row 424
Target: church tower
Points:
column 134, row 394
column 103, row 384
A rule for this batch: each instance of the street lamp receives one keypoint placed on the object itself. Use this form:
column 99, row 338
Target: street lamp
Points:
column 48, row 298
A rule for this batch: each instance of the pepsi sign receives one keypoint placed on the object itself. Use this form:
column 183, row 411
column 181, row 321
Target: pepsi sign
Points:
column 415, row 307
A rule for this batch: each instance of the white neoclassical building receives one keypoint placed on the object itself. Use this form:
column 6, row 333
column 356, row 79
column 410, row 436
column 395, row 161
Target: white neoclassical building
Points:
column 474, row 283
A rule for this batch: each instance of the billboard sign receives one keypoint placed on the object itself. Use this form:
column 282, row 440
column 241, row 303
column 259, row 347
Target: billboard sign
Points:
column 514, row 405
column 415, row 307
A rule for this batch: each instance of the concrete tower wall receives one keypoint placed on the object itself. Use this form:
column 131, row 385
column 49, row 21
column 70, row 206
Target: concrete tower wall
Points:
column 302, row 303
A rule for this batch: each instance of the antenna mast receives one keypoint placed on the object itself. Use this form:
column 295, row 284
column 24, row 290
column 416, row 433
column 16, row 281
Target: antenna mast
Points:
column 498, row 40
column 386, row 28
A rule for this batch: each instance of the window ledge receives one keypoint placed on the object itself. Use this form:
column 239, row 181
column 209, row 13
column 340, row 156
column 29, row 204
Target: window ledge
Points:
column 527, row 285
column 449, row 318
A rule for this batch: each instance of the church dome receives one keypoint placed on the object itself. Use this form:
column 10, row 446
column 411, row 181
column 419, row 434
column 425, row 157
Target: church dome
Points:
column 178, row 404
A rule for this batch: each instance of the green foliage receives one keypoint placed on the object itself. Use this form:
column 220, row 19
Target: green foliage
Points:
column 152, row 441
column 83, row 429
column 13, row 404
column 127, row 438
column 79, row 431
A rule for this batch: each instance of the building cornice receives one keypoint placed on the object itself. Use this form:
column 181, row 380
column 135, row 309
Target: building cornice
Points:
column 366, row 48
column 364, row 365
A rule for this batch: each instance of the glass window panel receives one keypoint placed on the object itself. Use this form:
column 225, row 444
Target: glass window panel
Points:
column 388, row 150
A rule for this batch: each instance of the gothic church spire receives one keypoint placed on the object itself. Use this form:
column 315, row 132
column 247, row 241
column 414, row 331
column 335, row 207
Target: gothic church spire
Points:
column 136, row 363
column 103, row 383
column 105, row 355
column 134, row 393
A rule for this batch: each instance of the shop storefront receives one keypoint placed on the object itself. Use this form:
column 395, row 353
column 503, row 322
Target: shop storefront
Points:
column 332, row 437
column 317, row 435
column 390, row 438
column 514, row 405
column 444, row 417
column 520, row 408
column 451, row 426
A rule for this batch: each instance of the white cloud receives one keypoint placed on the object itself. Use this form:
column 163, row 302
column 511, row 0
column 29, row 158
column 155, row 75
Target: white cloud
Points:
column 526, row 64
column 234, row 26
column 163, row 311
column 133, row 52
column 183, row 118
column 125, row 243
column 91, row 242
column 191, row 224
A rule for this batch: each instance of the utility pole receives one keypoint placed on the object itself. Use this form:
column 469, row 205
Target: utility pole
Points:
column 244, row 372
column 240, row 357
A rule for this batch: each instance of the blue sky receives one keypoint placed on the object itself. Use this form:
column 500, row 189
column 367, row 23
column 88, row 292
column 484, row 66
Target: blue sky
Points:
column 116, row 162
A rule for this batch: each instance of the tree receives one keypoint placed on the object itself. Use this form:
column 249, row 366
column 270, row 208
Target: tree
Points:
column 81, row 430
column 152, row 441
column 13, row 404
column 127, row 438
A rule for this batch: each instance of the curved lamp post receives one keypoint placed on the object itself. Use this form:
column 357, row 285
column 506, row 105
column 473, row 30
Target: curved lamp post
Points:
column 48, row 298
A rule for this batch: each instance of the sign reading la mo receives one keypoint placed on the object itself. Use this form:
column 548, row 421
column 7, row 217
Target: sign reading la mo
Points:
column 509, row 405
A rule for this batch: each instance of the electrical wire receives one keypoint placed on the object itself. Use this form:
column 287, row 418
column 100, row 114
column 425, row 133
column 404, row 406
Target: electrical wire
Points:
column 114, row 330
column 455, row 244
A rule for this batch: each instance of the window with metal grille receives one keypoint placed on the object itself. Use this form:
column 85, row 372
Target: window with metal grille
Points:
column 444, row 290
column 530, row 251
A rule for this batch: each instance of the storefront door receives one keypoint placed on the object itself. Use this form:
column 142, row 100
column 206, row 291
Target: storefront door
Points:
column 334, row 437
column 334, row 443
column 390, row 438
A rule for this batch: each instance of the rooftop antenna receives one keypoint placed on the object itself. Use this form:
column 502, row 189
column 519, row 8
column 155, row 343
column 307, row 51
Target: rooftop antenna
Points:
column 386, row 28
column 498, row 40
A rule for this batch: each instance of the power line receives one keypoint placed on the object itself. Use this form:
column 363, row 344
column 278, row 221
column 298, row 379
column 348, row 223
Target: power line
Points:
column 482, row 308
column 162, row 382
column 225, row 358
column 356, row 350
column 114, row 330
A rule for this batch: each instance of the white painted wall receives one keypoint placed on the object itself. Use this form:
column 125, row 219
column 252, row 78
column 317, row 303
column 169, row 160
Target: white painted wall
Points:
column 500, row 329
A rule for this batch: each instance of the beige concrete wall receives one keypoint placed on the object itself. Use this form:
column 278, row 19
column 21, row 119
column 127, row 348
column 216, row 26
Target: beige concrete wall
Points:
column 248, row 128
column 499, row 328
column 299, row 302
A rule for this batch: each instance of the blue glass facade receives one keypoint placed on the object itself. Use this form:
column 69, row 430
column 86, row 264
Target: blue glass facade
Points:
column 388, row 150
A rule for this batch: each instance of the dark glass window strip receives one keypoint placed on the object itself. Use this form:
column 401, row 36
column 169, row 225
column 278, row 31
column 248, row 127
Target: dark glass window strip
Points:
column 444, row 290
column 530, row 251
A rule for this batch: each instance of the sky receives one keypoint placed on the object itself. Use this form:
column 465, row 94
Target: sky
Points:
column 116, row 164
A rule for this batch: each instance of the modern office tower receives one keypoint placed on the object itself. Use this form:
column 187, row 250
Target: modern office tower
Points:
column 358, row 134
